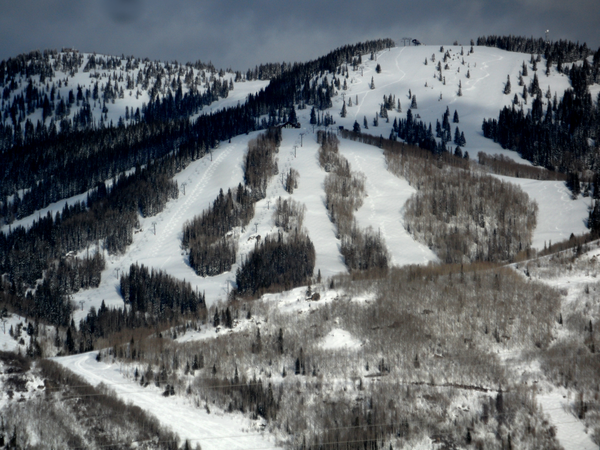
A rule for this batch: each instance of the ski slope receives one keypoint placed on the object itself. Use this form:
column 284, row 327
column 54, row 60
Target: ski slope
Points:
column 158, row 243
column 570, row 431
column 404, row 69
column 212, row 431
column 559, row 214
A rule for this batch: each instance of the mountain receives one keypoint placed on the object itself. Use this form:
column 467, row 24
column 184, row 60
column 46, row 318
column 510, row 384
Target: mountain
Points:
column 420, row 231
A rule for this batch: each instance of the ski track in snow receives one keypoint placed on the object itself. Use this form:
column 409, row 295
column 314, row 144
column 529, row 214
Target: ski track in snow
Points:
column 368, row 91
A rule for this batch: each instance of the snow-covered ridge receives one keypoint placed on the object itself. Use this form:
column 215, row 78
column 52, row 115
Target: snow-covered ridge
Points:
column 114, row 87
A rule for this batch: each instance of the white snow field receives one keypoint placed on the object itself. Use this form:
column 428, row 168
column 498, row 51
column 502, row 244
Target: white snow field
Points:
column 212, row 431
column 338, row 338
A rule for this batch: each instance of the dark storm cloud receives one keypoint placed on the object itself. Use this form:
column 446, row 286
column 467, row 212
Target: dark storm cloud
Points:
column 240, row 34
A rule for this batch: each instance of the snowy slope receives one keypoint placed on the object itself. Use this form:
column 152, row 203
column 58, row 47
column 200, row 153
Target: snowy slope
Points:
column 132, row 81
column 214, row 431
column 403, row 69
column 558, row 214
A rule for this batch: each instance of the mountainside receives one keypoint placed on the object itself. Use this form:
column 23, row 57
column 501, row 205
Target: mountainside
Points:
column 376, row 251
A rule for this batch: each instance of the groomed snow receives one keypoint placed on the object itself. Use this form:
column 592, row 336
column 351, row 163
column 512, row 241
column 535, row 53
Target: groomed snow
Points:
column 214, row 431
column 570, row 431
column 558, row 214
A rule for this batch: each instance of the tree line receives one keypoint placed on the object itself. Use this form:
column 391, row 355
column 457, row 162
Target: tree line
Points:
column 105, row 221
column 211, row 251
column 562, row 50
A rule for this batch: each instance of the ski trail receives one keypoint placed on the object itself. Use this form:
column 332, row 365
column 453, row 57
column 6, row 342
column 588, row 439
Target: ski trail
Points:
column 174, row 223
column 375, row 193
column 184, row 416
column 570, row 431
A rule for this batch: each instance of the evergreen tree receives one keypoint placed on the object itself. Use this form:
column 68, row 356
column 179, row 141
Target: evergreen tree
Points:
column 455, row 118
column 356, row 127
column 343, row 112
column 413, row 103
column 507, row 85
column 280, row 342
column 292, row 117
column 313, row 116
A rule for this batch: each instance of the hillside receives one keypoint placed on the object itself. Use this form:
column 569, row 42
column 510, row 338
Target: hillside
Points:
column 408, row 354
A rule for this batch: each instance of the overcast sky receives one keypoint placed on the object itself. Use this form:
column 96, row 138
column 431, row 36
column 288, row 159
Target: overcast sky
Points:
column 240, row 34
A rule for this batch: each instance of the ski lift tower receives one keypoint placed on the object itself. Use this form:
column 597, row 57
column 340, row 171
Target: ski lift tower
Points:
column 547, row 33
column 405, row 39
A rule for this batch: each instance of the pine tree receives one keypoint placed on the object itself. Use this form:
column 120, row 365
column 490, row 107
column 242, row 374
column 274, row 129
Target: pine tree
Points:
column 455, row 118
column 356, row 127
column 507, row 85
column 343, row 112
column 292, row 117
column 313, row 116
column 372, row 85
column 365, row 123
column 280, row 342
column 413, row 103
column 457, row 136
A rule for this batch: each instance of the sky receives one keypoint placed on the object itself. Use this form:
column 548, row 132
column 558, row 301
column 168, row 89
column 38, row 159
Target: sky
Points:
column 241, row 34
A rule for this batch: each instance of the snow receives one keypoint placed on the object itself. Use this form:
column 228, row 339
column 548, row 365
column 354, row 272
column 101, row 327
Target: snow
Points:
column 7, row 342
column 383, row 207
column 338, row 338
column 132, row 98
column 214, row 431
column 570, row 431
column 158, row 243
column 403, row 68
column 558, row 214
